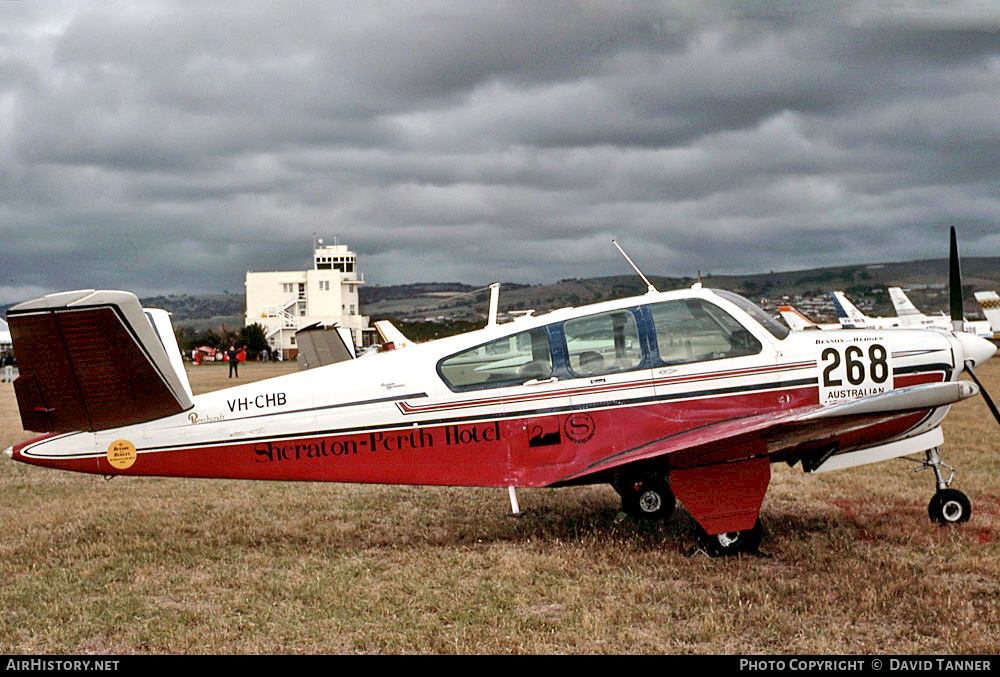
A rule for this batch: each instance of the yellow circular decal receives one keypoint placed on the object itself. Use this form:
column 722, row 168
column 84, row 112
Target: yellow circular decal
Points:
column 121, row 454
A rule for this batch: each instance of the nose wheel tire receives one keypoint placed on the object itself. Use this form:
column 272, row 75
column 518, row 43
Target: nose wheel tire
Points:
column 732, row 542
column 949, row 506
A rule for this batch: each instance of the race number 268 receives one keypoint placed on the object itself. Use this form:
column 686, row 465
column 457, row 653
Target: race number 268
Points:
column 854, row 371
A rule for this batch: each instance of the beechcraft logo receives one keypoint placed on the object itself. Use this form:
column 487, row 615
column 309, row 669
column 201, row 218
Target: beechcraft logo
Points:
column 197, row 420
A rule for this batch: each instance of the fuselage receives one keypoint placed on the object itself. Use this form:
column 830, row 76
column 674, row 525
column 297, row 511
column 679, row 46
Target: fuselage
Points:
column 546, row 399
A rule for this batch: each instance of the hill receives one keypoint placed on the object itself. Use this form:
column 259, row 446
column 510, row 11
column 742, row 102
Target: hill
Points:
column 201, row 312
column 450, row 302
column 926, row 282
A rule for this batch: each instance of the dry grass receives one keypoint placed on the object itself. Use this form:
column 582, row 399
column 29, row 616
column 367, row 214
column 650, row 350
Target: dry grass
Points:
column 147, row 565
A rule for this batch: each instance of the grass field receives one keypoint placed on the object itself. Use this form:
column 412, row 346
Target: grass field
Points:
column 851, row 563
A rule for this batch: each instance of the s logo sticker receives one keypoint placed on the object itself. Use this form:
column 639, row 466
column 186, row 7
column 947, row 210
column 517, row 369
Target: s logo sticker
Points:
column 579, row 427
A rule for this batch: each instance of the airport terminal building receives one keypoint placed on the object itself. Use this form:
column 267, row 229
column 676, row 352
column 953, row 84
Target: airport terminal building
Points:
column 284, row 302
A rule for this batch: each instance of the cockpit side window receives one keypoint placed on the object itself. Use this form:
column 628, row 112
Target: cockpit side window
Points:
column 511, row 359
column 603, row 344
column 693, row 330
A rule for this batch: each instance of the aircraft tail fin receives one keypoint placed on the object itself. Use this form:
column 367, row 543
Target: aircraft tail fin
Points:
column 388, row 332
column 904, row 307
column 990, row 303
column 160, row 321
column 848, row 314
column 795, row 320
column 93, row 360
column 320, row 345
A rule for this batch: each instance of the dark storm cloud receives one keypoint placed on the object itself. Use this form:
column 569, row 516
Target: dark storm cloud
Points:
column 167, row 147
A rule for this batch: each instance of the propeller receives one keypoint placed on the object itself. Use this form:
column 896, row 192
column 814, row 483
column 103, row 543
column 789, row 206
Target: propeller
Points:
column 970, row 344
column 955, row 285
column 982, row 391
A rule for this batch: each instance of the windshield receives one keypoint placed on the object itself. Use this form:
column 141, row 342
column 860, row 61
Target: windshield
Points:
column 694, row 330
column 779, row 330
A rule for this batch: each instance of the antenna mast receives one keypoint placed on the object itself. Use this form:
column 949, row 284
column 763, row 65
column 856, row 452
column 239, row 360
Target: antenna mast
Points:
column 494, row 304
column 650, row 289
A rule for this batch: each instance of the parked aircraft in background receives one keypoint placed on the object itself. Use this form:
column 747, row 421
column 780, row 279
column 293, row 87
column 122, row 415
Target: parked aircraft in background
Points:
column 990, row 303
column 909, row 316
column 796, row 321
column 852, row 318
column 391, row 337
column 319, row 345
column 4, row 335
column 688, row 395
column 206, row 354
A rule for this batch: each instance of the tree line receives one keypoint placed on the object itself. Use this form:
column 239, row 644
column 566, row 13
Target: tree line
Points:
column 252, row 337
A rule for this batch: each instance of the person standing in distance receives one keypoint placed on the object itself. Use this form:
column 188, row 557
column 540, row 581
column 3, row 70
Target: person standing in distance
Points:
column 234, row 361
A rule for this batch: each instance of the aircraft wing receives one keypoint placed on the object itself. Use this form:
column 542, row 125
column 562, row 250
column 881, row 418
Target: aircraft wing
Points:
column 813, row 428
column 92, row 360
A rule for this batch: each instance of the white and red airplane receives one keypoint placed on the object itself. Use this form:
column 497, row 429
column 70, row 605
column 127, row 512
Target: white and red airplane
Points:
column 688, row 395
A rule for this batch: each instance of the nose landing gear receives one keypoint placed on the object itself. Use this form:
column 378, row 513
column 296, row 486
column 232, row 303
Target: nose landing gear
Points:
column 948, row 506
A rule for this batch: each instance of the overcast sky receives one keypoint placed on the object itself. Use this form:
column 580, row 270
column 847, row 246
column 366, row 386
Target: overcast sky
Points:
column 163, row 147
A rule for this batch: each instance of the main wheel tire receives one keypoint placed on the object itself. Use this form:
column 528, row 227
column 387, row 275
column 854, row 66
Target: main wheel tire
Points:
column 949, row 506
column 733, row 542
column 649, row 499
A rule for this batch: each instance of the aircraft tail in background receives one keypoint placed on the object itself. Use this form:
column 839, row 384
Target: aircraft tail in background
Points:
column 911, row 317
column 907, row 312
column 795, row 320
column 320, row 345
column 848, row 314
column 990, row 303
column 388, row 332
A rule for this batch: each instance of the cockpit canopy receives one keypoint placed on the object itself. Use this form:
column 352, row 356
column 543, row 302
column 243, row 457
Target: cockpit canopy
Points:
column 669, row 332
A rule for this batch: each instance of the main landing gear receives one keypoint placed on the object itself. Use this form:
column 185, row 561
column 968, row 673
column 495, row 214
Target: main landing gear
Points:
column 647, row 497
column 948, row 506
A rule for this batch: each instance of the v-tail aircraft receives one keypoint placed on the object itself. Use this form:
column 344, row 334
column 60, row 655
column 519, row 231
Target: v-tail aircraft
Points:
column 685, row 395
